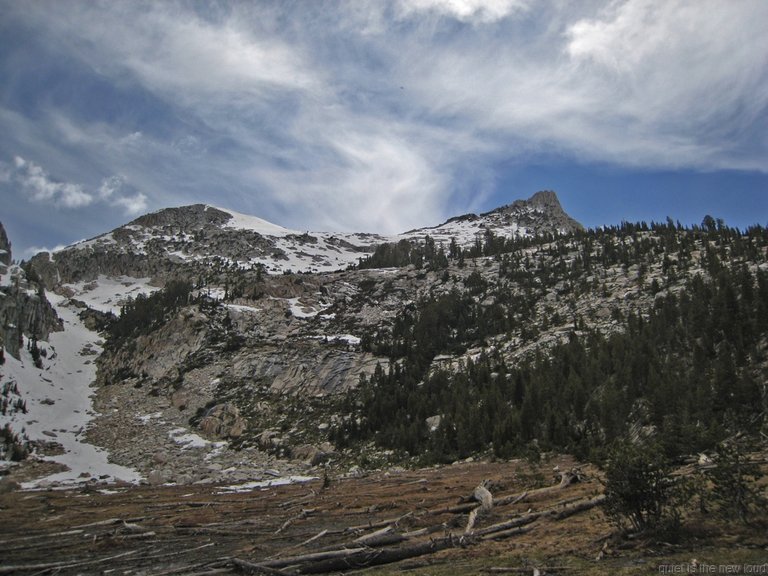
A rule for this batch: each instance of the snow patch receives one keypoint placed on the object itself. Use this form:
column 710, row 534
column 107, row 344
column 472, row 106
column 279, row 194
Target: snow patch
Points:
column 348, row 338
column 242, row 308
column 303, row 311
column 265, row 484
column 188, row 439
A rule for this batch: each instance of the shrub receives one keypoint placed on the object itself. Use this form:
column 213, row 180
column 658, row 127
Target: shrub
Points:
column 733, row 490
column 639, row 493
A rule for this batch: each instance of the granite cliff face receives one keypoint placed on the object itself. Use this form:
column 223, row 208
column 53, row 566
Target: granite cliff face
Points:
column 24, row 308
column 5, row 250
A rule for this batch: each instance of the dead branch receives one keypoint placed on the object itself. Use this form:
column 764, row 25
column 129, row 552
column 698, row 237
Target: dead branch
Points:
column 313, row 557
column 513, row 523
column 376, row 538
column 522, row 570
column 315, row 537
column 300, row 516
column 303, row 500
column 380, row 524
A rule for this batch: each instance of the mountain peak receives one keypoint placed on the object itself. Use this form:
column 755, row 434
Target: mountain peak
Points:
column 541, row 212
column 546, row 198
column 191, row 216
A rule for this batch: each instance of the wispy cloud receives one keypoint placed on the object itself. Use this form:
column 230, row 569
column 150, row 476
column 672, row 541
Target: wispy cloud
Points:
column 113, row 190
column 32, row 250
column 372, row 115
column 477, row 11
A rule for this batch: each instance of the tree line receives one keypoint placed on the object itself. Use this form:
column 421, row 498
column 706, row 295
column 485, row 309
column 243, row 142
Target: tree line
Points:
column 689, row 371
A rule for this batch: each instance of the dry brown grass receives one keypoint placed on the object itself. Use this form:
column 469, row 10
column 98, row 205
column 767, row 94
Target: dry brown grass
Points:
column 196, row 529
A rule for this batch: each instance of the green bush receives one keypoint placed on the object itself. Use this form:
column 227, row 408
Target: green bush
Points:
column 639, row 493
column 733, row 490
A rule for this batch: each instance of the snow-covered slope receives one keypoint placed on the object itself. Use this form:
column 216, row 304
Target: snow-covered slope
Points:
column 56, row 401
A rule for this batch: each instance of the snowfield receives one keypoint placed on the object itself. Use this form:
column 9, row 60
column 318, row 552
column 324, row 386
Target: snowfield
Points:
column 58, row 402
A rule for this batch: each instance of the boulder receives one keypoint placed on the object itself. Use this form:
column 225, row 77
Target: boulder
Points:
column 270, row 439
column 309, row 454
column 223, row 421
column 156, row 478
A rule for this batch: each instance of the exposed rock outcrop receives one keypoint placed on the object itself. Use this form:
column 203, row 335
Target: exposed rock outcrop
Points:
column 5, row 249
column 541, row 212
column 223, row 421
column 24, row 308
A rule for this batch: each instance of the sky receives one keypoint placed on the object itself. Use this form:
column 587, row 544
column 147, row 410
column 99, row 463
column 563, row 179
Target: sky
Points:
column 379, row 115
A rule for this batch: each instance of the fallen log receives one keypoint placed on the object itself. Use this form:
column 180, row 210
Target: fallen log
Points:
column 578, row 507
column 566, row 479
column 251, row 568
column 380, row 524
column 62, row 565
column 384, row 537
column 513, row 523
column 507, row 533
column 313, row 557
column 366, row 558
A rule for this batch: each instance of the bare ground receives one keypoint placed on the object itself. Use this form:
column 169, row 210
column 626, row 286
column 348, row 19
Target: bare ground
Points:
column 207, row 530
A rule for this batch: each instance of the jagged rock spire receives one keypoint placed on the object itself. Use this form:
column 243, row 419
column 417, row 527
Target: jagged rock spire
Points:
column 5, row 247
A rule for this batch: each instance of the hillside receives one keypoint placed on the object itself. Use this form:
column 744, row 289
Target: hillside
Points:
column 427, row 351
column 227, row 256
column 516, row 339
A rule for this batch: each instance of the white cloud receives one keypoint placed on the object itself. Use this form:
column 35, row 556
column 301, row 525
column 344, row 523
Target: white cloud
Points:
column 36, row 182
column 115, row 191
column 132, row 205
column 40, row 188
column 32, row 250
column 638, row 83
column 177, row 52
column 110, row 186
column 379, row 182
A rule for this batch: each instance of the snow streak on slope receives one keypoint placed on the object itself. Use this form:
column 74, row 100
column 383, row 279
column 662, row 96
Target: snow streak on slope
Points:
column 109, row 294
column 254, row 223
column 58, row 401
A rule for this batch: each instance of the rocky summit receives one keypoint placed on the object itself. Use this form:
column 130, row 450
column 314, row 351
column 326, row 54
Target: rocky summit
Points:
column 238, row 350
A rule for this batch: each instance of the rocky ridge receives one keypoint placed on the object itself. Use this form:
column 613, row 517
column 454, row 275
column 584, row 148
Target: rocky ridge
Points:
column 192, row 239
